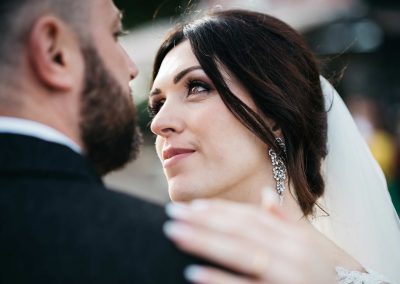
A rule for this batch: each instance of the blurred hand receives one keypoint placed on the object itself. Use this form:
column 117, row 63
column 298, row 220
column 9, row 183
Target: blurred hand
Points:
column 264, row 244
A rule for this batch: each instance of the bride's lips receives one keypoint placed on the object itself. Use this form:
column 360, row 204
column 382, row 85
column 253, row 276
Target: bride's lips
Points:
column 171, row 155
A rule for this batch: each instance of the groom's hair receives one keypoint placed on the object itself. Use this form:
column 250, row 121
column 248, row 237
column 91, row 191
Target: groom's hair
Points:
column 18, row 16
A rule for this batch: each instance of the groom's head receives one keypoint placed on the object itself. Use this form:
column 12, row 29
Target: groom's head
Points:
column 61, row 64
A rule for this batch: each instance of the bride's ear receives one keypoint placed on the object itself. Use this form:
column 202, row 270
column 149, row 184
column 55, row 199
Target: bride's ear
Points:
column 276, row 129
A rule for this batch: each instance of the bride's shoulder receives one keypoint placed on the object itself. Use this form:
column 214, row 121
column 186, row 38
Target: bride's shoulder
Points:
column 348, row 269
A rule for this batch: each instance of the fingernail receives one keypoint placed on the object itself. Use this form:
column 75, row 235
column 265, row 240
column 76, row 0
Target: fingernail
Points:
column 176, row 211
column 194, row 273
column 176, row 231
column 200, row 204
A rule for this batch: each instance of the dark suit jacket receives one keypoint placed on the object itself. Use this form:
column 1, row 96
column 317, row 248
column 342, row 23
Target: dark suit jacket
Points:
column 59, row 224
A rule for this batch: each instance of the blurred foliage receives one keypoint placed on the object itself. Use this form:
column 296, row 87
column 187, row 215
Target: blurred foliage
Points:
column 137, row 12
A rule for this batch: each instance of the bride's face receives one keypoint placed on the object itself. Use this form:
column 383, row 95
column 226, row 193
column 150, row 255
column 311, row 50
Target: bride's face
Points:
column 205, row 151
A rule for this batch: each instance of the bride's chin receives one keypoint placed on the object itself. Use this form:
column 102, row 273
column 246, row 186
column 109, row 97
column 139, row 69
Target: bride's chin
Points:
column 180, row 194
column 179, row 197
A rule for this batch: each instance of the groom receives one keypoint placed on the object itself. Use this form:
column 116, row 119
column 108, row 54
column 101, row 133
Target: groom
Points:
column 65, row 101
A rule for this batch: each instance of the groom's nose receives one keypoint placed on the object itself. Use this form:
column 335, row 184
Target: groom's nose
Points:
column 133, row 70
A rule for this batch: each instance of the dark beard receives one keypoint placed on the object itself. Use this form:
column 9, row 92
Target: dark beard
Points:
column 109, row 130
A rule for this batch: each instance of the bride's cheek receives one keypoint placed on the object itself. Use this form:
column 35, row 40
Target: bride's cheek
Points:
column 158, row 146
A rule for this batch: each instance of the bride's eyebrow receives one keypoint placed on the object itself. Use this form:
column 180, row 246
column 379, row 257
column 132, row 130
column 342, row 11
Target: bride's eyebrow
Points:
column 176, row 79
column 182, row 74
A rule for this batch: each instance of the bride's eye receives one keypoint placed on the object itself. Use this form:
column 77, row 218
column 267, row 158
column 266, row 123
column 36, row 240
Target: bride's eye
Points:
column 196, row 87
column 154, row 107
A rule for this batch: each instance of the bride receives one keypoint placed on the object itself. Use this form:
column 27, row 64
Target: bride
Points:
column 238, row 105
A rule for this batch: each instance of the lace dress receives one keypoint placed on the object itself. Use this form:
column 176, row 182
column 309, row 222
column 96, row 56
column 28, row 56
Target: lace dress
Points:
column 345, row 276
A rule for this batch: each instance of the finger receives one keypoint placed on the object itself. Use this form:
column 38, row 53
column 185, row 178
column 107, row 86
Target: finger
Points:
column 241, row 220
column 286, row 262
column 211, row 206
column 242, row 223
column 207, row 275
column 270, row 199
column 272, row 204
column 277, row 211
column 242, row 256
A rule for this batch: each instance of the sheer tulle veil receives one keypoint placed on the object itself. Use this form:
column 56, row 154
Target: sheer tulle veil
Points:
column 361, row 217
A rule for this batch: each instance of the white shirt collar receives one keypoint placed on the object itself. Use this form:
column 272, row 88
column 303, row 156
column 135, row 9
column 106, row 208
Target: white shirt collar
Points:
column 35, row 129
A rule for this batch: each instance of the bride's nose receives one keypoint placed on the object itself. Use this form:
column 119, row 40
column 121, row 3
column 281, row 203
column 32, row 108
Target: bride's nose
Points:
column 168, row 120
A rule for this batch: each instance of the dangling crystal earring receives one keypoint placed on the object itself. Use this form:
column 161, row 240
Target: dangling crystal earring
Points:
column 279, row 168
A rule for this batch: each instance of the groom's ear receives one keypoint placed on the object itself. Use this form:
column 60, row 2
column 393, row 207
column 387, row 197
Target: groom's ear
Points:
column 54, row 54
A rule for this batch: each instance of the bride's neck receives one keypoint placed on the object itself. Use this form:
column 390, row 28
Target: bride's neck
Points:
column 291, row 206
column 247, row 190
column 250, row 191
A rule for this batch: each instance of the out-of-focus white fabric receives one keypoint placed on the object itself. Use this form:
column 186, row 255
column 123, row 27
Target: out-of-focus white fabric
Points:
column 361, row 217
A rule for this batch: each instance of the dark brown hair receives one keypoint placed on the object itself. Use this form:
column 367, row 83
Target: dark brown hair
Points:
column 274, row 64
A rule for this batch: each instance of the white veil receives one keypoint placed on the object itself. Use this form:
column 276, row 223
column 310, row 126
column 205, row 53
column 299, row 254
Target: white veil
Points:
column 362, row 219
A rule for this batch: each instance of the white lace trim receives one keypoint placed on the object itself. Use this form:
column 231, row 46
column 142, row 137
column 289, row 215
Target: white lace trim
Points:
column 345, row 276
